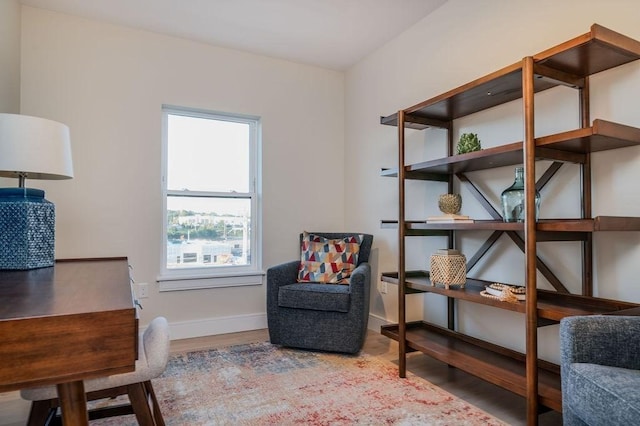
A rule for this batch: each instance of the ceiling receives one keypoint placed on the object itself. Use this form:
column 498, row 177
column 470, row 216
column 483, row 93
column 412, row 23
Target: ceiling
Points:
column 333, row 34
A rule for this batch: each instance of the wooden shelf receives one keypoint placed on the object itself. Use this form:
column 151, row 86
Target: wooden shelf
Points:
column 415, row 175
column 552, row 306
column 597, row 224
column 497, row 88
column 598, row 50
column 601, row 136
column 495, row 364
column 567, row 146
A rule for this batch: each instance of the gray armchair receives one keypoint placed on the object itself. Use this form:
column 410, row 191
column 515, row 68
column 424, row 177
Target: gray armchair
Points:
column 326, row 317
column 600, row 367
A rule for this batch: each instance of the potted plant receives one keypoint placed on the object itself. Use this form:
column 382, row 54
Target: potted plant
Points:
column 468, row 142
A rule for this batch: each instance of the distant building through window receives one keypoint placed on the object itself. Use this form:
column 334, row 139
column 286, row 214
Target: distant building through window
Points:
column 210, row 185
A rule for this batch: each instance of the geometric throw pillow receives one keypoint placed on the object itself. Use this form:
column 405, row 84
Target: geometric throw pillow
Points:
column 328, row 261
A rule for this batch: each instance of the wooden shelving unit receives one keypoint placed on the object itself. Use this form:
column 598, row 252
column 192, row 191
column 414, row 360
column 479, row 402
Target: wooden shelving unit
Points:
column 569, row 64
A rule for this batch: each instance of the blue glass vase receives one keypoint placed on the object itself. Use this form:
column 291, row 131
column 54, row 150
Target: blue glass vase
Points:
column 513, row 199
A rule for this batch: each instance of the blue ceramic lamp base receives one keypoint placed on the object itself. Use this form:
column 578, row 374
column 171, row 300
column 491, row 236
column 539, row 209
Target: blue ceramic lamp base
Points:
column 27, row 229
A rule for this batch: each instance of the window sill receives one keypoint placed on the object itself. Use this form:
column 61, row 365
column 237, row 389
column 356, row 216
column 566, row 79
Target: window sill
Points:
column 195, row 282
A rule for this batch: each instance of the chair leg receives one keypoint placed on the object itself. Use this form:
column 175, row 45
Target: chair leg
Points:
column 157, row 415
column 140, row 404
column 41, row 412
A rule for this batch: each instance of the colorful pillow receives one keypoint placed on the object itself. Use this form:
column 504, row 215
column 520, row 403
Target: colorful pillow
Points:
column 328, row 261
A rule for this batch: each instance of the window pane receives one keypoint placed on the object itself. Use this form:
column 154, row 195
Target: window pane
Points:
column 207, row 154
column 208, row 232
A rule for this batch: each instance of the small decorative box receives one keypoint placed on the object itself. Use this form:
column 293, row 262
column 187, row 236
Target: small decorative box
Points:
column 448, row 267
column 27, row 229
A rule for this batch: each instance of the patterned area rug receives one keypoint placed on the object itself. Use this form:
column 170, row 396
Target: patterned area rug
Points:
column 262, row 384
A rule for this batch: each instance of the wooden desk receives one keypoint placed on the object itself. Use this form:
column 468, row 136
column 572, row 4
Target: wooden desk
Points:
column 60, row 325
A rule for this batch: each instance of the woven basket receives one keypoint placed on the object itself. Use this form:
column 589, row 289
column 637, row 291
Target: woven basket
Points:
column 448, row 269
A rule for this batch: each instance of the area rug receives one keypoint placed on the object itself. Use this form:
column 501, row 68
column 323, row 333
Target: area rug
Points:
column 263, row 384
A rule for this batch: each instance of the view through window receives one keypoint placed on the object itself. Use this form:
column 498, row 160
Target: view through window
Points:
column 210, row 188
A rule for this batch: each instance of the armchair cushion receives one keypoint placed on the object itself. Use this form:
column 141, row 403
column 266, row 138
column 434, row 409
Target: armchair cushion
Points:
column 609, row 394
column 327, row 260
column 600, row 369
column 318, row 297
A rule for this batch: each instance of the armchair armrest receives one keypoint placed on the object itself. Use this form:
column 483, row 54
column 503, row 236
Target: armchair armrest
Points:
column 279, row 275
column 283, row 274
column 360, row 278
column 360, row 289
column 599, row 339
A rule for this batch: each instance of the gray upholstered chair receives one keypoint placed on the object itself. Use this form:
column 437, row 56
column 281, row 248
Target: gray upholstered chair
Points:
column 153, row 354
column 600, row 367
column 326, row 317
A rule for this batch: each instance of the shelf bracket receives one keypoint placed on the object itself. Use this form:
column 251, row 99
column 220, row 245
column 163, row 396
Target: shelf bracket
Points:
column 480, row 197
column 559, row 77
column 483, row 249
column 558, row 155
column 540, row 265
column 548, row 174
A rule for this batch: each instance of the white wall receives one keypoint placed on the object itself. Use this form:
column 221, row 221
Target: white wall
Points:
column 9, row 56
column 107, row 83
column 459, row 42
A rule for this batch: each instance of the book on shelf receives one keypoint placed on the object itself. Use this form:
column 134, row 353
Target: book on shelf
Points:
column 449, row 218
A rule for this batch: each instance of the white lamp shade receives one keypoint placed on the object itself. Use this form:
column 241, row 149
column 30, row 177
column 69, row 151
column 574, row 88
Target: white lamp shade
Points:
column 36, row 146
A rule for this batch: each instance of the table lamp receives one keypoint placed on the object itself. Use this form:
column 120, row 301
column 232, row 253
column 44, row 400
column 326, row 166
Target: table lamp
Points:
column 33, row 148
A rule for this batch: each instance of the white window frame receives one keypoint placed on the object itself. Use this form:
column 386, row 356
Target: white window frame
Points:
column 224, row 276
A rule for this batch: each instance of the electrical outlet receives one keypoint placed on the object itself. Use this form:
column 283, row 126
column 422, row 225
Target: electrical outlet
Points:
column 143, row 290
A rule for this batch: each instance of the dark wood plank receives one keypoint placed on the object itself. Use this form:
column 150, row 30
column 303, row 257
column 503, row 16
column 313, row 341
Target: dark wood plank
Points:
column 598, row 50
column 602, row 135
column 571, row 226
column 569, row 146
column 551, row 305
column 494, row 89
column 493, row 363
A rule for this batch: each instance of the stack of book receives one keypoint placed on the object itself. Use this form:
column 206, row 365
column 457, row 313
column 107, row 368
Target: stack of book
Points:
column 449, row 218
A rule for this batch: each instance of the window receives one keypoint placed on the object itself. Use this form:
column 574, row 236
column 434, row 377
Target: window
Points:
column 211, row 211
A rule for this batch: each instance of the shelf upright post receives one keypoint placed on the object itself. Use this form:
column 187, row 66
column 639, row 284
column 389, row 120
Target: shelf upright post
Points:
column 451, row 303
column 529, row 150
column 402, row 324
column 585, row 183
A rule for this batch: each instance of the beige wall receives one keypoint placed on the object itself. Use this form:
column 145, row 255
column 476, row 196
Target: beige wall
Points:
column 9, row 56
column 107, row 83
column 459, row 42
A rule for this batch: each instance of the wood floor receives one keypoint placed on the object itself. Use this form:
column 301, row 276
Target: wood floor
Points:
column 502, row 404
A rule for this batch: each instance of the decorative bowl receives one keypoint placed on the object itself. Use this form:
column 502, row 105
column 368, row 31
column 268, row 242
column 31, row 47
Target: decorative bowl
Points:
column 450, row 203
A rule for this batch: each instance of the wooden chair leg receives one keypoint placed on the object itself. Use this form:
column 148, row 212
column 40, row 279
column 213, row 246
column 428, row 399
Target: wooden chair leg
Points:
column 157, row 415
column 140, row 404
column 41, row 412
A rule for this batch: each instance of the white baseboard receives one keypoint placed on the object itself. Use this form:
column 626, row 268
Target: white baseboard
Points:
column 219, row 325
column 376, row 321
column 237, row 323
